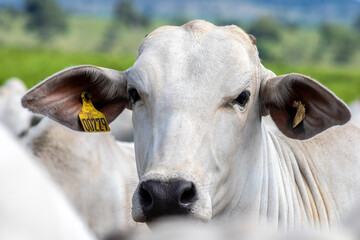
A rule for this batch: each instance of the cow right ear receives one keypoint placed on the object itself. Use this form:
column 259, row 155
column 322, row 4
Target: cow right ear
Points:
column 59, row 96
column 281, row 97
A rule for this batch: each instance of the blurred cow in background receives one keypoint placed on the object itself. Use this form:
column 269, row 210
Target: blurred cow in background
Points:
column 12, row 114
column 96, row 172
column 31, row 205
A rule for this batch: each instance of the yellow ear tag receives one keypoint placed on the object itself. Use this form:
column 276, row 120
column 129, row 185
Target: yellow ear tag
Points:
column 300, row 112
column 91, row 119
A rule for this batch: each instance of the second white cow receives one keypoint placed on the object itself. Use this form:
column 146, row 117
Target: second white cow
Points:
column 12, row 114
column 198, row 95
column 96, row 173
column 31, row 205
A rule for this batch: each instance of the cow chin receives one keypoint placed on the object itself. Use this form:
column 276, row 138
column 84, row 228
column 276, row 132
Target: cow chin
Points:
column 158, row 197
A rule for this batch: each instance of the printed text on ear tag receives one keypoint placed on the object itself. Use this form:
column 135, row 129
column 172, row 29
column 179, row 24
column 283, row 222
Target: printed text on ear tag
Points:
column 91, row 119
column 300, row 112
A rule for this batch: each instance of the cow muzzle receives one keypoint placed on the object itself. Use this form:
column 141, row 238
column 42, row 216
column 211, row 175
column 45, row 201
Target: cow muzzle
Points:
column 159, row 199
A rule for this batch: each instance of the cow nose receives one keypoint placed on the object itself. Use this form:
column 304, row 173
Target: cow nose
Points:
column 160, row 198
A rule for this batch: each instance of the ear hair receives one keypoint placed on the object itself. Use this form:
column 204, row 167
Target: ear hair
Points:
column 284, row 90
column 106, row 81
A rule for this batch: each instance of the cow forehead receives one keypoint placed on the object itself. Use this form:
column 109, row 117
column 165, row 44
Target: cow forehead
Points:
column 197, row 55
column 199, row 31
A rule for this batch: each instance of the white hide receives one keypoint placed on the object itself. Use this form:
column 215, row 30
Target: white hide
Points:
column 189, row 125
column 12, row 114
column 97, row 173
column 31, row 205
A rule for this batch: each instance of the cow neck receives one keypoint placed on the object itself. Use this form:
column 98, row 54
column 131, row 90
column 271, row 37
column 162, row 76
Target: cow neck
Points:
column 293, row 191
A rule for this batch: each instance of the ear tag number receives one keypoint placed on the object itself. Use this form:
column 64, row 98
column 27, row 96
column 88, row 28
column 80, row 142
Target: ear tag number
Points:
column 300, row 113
column 91, row 119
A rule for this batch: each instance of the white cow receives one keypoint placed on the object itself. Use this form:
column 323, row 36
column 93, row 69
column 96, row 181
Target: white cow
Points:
column 198, row 94
column 12, row 114
column 31, row 205
column 96, row 173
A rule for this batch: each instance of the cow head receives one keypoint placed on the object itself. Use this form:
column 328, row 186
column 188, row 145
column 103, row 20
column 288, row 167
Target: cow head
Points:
column 198, row 93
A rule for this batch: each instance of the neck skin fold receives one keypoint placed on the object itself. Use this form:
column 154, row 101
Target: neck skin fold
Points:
column 282, row 185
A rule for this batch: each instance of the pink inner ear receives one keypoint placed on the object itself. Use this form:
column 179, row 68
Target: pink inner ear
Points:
column 59, row 97
column 322, row 108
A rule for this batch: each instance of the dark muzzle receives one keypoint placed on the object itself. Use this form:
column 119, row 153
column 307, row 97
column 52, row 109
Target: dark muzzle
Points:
column 170, row 198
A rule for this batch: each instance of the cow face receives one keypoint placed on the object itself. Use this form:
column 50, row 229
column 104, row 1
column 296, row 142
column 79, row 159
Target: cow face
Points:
column 192, row 91
column 198, row 93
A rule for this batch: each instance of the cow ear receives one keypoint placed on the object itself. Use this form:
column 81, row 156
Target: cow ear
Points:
column 322, row 108
column 59, row 96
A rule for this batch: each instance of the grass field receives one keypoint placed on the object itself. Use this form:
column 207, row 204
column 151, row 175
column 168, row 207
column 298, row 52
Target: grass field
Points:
column 32, row 66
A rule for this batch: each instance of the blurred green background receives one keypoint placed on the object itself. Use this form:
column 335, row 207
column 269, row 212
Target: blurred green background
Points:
column 317, row 38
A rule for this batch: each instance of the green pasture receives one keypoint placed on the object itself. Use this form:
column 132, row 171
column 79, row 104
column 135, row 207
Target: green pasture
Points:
column 33, row 66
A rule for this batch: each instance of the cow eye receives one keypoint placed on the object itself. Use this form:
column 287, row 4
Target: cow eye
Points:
column 134, row 95
column 242, row 99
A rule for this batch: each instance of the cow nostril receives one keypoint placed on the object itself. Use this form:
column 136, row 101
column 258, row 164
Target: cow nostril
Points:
column 188, row 196
column 145, row 197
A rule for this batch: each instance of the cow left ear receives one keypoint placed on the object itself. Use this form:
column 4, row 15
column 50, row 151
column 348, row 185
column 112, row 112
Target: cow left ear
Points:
column 280, row 97
column 59, row 96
